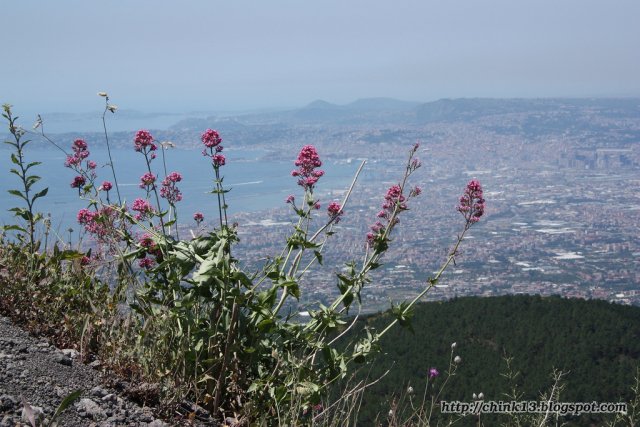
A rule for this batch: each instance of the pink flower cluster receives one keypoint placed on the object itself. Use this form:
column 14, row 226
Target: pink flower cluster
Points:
column 78, row 182
column 472, row 202
column 143, row 142
column 106, row 186
column 394, row 203
column 144, row 209
column 169, row 189
column 149, row 247
column 100, row 223
column 211, row 140
column 80, row 153
column 147, row 181
column 334, row 210
column 307, row 162
column 146, row 263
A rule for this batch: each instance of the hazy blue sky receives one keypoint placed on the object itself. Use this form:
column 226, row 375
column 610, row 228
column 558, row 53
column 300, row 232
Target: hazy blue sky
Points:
column 156, row 55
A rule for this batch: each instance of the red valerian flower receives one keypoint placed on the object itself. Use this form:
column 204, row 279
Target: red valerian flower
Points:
column 472, row 202
column 334, row 210
column 144, row 140
column 307, row 162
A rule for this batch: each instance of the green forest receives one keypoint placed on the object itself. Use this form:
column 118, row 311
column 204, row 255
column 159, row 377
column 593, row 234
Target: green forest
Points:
column 595, row 343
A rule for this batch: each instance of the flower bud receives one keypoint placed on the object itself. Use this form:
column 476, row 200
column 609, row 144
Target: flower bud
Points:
column 481, row 396
column 457, row 360
column 454, row 345
column 102, row 94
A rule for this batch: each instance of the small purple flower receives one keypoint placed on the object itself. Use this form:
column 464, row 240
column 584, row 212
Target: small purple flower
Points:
column 290, row 198
column 433, row 372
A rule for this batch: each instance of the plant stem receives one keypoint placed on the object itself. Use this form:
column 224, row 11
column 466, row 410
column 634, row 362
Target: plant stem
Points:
column 106, row 137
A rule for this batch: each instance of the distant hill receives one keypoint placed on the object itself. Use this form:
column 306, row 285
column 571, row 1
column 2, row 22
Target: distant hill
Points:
column 464, row 109
column 595, row 342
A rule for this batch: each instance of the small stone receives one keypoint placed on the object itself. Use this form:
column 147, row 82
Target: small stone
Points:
column 95, row 364
column 109, row 398
column 91, row 408
column 157, row 423
column 62, row 359
column 98, row 391
column 7, row 402
column 70, row 352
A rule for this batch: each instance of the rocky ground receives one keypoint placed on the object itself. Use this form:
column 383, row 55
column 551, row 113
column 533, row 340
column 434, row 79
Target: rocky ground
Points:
column 35, row 372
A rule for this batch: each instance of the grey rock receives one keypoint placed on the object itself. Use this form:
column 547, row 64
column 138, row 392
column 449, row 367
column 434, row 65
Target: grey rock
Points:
column 8, row 402
column 62, row 359
column 70, row 352
column 109, row 398
column 157, row 423
column 91, row 408
column 99, row 391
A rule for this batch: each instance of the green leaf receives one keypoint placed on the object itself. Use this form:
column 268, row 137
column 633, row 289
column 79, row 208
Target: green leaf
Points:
column 318, row 256
column 14, row 159
column 17, row 194
column 13, row 227
column 66, row 402
column 32, row 164
column 40, row 194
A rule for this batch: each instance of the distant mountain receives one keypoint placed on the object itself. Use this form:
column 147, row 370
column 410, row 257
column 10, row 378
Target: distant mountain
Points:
column 381, row 104
column 464, row 109
column 595, row 342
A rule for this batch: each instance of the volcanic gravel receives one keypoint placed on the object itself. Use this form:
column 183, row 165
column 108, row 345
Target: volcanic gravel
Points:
column 42, row 375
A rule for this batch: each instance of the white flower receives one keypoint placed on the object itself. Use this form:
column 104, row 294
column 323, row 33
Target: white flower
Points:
column 457, row 360
column 481, row 396
column 410, row 390
column 103, row 94
column 112, row 108
column 475, row 396
column 454, row 345
column 167, row 144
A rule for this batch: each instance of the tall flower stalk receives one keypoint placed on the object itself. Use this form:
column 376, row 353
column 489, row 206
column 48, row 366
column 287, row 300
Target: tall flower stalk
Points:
column 112, row 108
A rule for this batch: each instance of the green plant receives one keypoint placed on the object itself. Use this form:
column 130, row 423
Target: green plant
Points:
column 28, row 214
column 199, row 325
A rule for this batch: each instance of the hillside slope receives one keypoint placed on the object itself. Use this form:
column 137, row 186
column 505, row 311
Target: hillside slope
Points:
column 596, row 343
